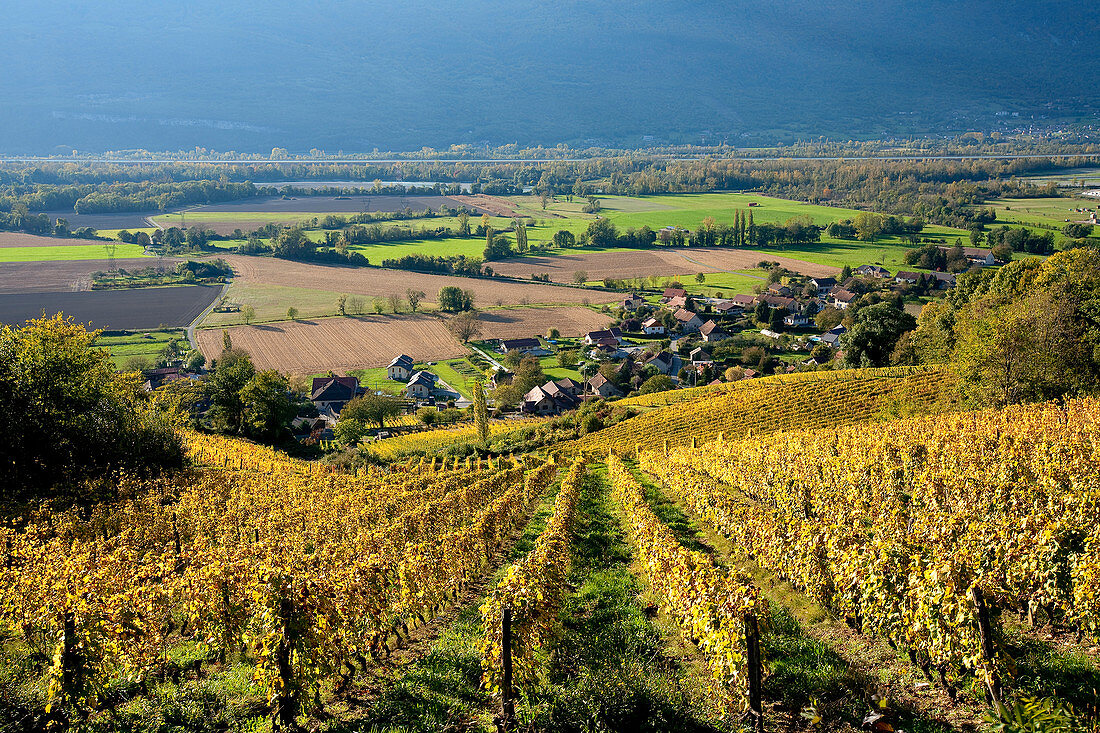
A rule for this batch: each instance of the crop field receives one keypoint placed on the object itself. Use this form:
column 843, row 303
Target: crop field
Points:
column 622, row 264
column 138, row 309
column 15, row 247
column 523, row 322
column 375, row 282
column 339, row 344
column 59, row 275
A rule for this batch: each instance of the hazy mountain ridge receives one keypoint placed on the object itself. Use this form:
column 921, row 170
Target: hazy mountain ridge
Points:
column 352, row 76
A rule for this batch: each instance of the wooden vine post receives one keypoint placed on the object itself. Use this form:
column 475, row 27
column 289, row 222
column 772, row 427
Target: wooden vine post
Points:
column 507, row 720
column 755, row 670
column 985, row 637
column 284, row 715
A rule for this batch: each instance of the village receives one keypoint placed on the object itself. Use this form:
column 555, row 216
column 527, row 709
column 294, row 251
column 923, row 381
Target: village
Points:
column 658, row 341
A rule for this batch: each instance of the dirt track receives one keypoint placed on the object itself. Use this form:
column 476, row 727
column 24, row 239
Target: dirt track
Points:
column 378, row 282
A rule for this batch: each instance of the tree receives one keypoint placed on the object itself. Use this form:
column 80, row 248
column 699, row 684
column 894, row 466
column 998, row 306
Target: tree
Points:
column 68, row 415
column 342, row 304
column 701, row 278
column 497, row 247
column 656, row 383
column 868, row 226
column 564, row 238
column 464, row 326
column 267, row 406
column 415, row 296
column 874, row 334
column 553, row 334
column 845, row 272
column 379, row 305
column 601, row 233
column 463, row 224
column 372, row 409
column 580, row 277
column 227, row 340
column 567, row 358
column 481, row 411
column 196, row 361
column 453, row 299
column 249, row 314
column 292, row 313
column 233, row 370
column 395, row 302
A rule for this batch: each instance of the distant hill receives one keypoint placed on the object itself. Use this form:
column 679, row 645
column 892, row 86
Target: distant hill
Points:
column 354, row 76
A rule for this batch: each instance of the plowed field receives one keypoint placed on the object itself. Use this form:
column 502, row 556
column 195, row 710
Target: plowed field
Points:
column 340, row 344
column 378, row 282
column 513, row 323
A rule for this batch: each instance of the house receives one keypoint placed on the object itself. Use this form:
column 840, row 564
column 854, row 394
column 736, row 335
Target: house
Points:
column 975, row 255
column 680, row 301
column 570, row 386
column 156, row 377
column 832, row 338
column 728, row 308
column 631, row 302
column 688, row 321
column 523, row 346
column 944, row 280
column 552, row 397
column 780, row 303
column 797, row 320
column 653, row 327
column 421, row 385
column 872, row 271
column 911, row 278
column 823, row 284
column 780, row 289
column 593, row 338
column 749, row 374
column 602, row 386
column 661, row 361
column 745, row 301
column 711, row 332
column 842, row 298
column 400, row 368
column 699, row 355
column 334, row 392
column 671, row 293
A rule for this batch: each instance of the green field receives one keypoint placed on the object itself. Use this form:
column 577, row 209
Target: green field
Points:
column 68, row 253
column 1047, row 212
column 144, row 344
column 376, row 380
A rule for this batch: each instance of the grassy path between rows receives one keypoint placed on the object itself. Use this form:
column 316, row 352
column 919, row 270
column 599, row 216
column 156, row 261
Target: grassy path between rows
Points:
column 610, row 670
column 817, row 664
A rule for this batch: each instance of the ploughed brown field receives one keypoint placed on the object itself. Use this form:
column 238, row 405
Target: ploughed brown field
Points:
column 113, row 309
column 663, row 262
column 378, row 282
column 340, row 344
column 19, row 239
column 52, row 277
column 510, row 323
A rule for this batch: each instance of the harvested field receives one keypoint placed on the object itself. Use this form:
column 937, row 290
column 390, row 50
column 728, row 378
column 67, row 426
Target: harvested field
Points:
column 113, row 309
column 643, row 263
column 120, row 220
column 333, row 204
column 372, row 281
column 340, row 344
column 508, row 323
column 491, row 204
column 19, row 239
column 56, row 276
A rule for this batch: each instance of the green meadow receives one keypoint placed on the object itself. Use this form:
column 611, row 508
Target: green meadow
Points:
column 67, row 253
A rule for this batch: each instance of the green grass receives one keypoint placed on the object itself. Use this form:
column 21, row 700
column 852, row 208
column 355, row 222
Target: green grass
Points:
column 376, row 380
column 146, row 344
column 553, row 370
column 271, row 303
column 71, row 252
column 446, row 371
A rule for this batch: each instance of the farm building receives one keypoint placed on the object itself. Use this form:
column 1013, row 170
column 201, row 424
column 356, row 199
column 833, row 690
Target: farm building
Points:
column 711, row 331
column 524, row 345
column 593, row 338
column 689, row 322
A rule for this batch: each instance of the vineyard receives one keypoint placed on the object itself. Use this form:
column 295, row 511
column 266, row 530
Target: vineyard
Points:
column 655, row 575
